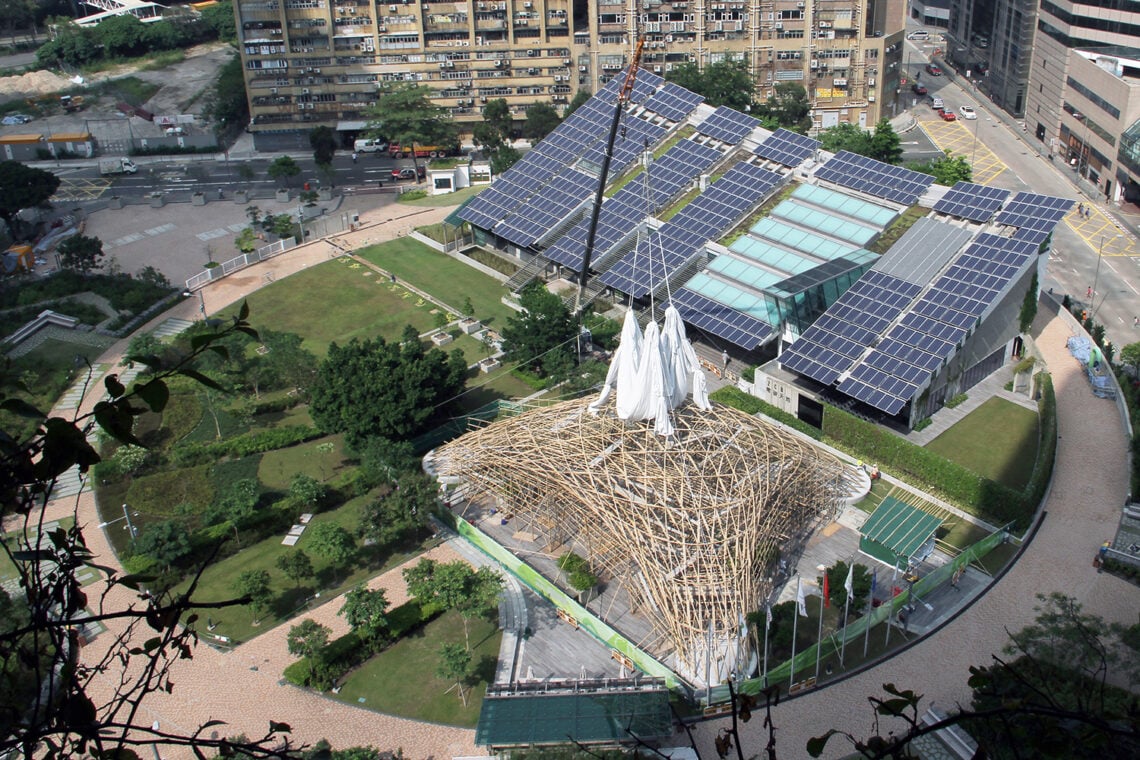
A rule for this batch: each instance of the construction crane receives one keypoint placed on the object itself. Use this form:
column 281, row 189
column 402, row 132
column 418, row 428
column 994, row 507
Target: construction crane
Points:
column 622, row 99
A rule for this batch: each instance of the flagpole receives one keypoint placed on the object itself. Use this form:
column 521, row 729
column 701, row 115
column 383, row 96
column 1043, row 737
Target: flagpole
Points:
column 767, row 625
column 849, row 587
column 795, row 628
column 891, row 601
column 822, row 604
column 870, row 608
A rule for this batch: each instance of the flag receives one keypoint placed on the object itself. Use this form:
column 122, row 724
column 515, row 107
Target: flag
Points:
column 874, row 579
column 826, row 591
column 800, row 601
column 767, row 617
column 849, row 584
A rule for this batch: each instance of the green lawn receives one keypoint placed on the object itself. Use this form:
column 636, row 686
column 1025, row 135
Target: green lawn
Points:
column 998, row 440
column 320, row 459
column 445, row 278
column 401, row 680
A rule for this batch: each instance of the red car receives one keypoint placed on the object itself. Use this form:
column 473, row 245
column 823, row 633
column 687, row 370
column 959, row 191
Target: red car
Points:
column 947, row 115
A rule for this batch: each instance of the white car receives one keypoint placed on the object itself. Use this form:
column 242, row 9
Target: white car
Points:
column 919, row 35
column 968, row 113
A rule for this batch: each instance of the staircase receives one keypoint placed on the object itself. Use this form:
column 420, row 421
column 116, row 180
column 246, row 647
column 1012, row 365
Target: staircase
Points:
column 530, row 271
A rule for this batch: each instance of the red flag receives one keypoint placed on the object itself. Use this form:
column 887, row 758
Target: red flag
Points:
column 826, row 592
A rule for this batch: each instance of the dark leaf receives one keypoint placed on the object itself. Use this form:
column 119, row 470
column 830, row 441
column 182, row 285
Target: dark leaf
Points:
column 243, row 312
column 221, row 351
column 114, row 387
column 816, row 744
column 279, row 728
column 200, row 378
column 22, row 408
column 155, row 394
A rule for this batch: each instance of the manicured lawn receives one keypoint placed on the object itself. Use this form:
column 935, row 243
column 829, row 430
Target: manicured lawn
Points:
column 402, row 680
column 319, row 459
column 998, row 440
column 365, row 306
column 447, row 199
column 445, row 278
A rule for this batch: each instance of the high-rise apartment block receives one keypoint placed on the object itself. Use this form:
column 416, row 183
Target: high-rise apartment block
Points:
column 321, row 62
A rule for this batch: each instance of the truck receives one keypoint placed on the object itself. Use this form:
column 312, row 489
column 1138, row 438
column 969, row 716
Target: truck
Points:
column 422, row 151
column 117, row 166
column 71, row 103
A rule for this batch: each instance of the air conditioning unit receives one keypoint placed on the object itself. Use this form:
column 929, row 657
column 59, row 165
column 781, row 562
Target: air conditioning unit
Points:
column 352, row 11
column 316, row 71
column 273, row 90
column 532, row 72
column 372, row 104
column 305, row 91
column 668, row 38
column 824, row 24
column 566, row 61
column 779, row 25
column 393, row 8
column 498, row 64
column 656, row 69
column 530, row 53
column 799, row 5
column 871, row 82
column 583, row 68
column 814, row 64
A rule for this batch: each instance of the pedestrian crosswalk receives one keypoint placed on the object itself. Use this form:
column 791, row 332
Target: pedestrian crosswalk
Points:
column 172, row 327
column 74, row 395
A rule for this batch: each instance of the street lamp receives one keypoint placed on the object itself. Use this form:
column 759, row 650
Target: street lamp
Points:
column 1096, row 274
column 201, row 301
column 126, row 516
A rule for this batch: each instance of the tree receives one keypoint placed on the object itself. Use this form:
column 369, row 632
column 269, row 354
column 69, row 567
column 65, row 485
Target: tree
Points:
column 332, row 542
column 227, row 106
column 455, row 666
column 246, row 240
column 23, row 187
column 541, row 120
column 123, row 37
column 493, row 134
column 283, row 168
column 383, row 459
column 307, row 490
column 885, row 144
column 724, row 83
column 323, row 142
column 220, row 18
column 296, row 565
column 81, row 253
column 846, row 136
column 576, row 102
column 402, row 513
column 541, row 332
column 366, row 612
column 375, row 388
column 497, row 116
column 1130, row 355
column 1028, row 306
column 455, row 586
column 946, row 169
column 788, row 107
column 860, row 584
column 282, row 225
column 307, row 638
column 406, row 114
column 167, row 542
column 255, row 586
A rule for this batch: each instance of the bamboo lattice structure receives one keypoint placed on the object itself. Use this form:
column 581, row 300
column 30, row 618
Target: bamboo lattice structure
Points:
column 690, row 525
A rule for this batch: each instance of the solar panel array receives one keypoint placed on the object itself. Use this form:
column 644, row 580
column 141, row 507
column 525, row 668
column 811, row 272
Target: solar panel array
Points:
column 740, row 329
column 674, row 102
column 621, row 214
column 1035, row 212
column 966, row 200
column 875, row 177
column 727, row 125
column 787, row 148
column 890, row 375
column 545, row 211
column 833, row 344
column 710, row 215
column 633, row 136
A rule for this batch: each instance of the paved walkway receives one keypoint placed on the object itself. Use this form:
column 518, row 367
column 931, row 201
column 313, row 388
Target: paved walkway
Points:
column 1089, row 486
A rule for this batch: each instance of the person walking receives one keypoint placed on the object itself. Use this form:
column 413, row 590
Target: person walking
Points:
column 354, row 156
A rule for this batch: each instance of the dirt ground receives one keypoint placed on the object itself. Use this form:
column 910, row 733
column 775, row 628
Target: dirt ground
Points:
column 183, row 89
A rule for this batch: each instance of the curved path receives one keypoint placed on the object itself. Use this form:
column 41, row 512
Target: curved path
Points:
column 1090, row 483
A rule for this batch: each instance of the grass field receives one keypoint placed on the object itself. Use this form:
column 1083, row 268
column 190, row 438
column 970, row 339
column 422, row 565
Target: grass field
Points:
column 998, row 440
column 320, row 459
column 402, row 681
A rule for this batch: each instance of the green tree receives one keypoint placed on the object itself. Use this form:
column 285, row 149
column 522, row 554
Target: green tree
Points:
column 375, row 388
column 885, row 143
column 366, row 612
column 282, row 225
column 405, row 113
column 1028, row 306
column 543, row 334
column 541, row 120
column 296, row 566
column 226, row 106
column 168, row 542
column 860, row 584
column 576, row 102
column 846, row 136
column 220, row 18
column 497, row 116
column 307, row 490
column 22, row 187
column 455, row 586
column 283, row 169
column 1130, row 355
column 239, row 502
column 788, row 107
column 402, row 513
column 322, row 140
column 121, row 36
column 246, row 240
column 581, row 581
column 382, row 459
column 256, row 587
column 455, row 666
column 332, row 542
column 946, row 169
column 81, row 253
column 724, row 83
column 307, row 638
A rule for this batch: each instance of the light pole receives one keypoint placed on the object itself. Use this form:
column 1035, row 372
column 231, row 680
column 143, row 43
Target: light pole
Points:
column 126, row 516
column 201, row 301
column 1096, row 274
column 974, row 149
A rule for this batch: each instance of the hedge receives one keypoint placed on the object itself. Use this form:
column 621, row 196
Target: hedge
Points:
column 732, row 396
column 243, row 445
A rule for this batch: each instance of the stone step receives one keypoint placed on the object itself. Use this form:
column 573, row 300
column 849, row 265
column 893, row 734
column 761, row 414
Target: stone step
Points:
column 172, row 327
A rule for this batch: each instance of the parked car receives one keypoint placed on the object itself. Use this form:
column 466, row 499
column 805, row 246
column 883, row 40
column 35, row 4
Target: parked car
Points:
column 918, row 89
column 175, row 131
column 948, row 115
column 920, row 35
column 933, row 70
column 936, row 103
column 408, row 172
column 968, row 112
column 15, row 118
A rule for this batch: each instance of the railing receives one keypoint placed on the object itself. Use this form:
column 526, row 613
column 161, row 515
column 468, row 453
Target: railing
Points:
column 240, row 262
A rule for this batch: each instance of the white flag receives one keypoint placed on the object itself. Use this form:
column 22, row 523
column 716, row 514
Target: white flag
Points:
column 768, row 616
column 800, row 601
column 849, row 584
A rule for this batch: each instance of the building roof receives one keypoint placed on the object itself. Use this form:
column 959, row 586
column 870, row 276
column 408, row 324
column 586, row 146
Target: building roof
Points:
column 587, row 718
column 900, row 527
column 923, row 250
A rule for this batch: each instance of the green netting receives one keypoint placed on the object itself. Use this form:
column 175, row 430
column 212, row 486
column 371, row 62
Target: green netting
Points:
column 596, row 718
column 899, row 528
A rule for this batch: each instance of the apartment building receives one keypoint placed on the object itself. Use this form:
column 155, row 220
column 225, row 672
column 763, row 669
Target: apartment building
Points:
column 321, row 62
column 1081, row 98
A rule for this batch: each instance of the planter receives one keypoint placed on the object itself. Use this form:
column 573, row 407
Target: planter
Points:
column 241, row 196
column 116, row 202
column 198, row 199
column 489, row 365
column 157, row 200
column 325, row 193
column 470, row 326
column 310, row 211
column 441, row 339
column 282, row 196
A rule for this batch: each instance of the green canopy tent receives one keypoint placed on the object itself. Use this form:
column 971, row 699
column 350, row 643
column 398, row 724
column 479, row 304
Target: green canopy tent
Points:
column 898, row 534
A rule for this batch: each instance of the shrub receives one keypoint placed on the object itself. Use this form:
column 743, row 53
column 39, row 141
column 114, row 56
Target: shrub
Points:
column 243, row 445
column 748, row 374
column 956, row 400
column 746, row 402
column 923, row 424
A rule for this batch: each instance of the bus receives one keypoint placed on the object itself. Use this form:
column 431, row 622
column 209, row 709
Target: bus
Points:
column 422, row 151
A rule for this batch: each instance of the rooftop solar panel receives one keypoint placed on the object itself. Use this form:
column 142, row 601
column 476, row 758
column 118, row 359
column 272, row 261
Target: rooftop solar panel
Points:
column 727, row 125
column 875, row 177
column 1037, row 212
column 674, row 102
column 967, row 200
column 787, row 148
column 740, row 329
column 545, row 212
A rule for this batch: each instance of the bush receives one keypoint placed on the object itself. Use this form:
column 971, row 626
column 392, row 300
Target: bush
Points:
column 748, row 374
column 732, row 396
column 123, row 291
column 243, row 445
column 956, row 400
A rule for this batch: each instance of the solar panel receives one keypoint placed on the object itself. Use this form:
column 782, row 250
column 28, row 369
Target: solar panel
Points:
column 967, row 200
column 543, row 213
column 875, row 177
column 674, row 102
column 1036, row 212
column 740, row 329
column 634, row 136
column 727, row 125
column 787, row 148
